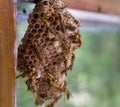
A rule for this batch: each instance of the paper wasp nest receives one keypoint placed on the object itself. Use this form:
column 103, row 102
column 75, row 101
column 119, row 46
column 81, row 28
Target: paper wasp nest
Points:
column 46, row 53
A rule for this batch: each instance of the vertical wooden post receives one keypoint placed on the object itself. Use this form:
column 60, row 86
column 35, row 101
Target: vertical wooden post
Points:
column 7, row 59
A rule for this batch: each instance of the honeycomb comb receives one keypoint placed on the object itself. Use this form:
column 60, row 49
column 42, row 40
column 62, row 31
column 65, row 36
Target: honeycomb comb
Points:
column 47, row 51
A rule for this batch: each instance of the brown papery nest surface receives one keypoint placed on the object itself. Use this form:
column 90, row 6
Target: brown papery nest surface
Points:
column 46, row 53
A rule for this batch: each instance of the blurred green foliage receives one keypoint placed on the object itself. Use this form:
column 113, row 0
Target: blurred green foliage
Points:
column 95, row 78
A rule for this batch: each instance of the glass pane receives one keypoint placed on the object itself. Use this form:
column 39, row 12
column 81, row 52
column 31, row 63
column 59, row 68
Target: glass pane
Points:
column 94, row 80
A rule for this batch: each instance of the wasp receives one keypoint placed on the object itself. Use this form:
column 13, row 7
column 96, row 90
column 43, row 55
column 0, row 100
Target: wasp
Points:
column 53, row 2
column 51, row 77
column 52, row 30
column 62, row 23
column 36, row 50
column 62, row 88
column 72, row 60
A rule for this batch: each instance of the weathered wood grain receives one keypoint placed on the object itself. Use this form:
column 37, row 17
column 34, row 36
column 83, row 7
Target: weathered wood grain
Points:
column 7, row 59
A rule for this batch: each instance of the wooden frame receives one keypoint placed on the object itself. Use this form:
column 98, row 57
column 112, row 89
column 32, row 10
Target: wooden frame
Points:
column 99, row 6
column 7, row 57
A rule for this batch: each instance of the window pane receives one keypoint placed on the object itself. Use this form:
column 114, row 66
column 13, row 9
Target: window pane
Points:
column 94, row 80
